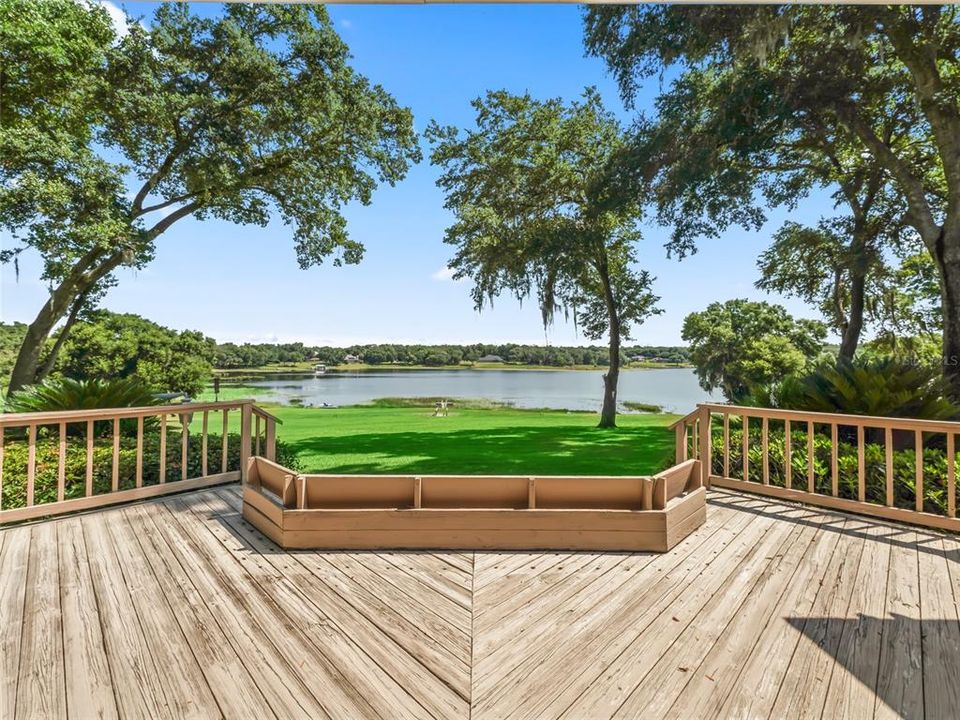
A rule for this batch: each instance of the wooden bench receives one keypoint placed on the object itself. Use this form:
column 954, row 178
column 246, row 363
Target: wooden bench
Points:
column 469, row 512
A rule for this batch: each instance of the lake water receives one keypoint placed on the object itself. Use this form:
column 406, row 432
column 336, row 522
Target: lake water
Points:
column 675, row 389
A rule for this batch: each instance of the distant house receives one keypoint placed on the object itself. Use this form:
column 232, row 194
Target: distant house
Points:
column 351, row 359
column 490, row 358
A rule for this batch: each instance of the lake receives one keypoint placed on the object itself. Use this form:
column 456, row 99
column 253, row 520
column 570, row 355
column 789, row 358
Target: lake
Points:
column 675, row 389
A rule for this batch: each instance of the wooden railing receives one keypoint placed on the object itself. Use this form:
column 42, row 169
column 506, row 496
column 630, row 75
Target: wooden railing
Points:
column 57, row 462
column 894, row 468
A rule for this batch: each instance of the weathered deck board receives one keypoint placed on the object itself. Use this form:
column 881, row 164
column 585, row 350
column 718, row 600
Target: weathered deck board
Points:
column 14, row 562
column 41, row 688
column 178, row 608
column 86, row 667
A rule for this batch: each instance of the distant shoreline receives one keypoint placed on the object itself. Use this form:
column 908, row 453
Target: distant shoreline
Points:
column 307, row 368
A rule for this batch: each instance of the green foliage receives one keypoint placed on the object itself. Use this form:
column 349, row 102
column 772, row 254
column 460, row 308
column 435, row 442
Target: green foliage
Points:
column 45, row 483
column 769, row 101
column 11, row 337
column 739, row 344
column 878, row 386
column 111, row 346
column 529, row 189
column 904, row 464
column 909, row 296
column 253, row 355
column 273, row 116
column 840, row 268
column 62, row 43
column 926, row 350
column 642, row 407
column 778, row 99
column 56, row 394
column 242, row 116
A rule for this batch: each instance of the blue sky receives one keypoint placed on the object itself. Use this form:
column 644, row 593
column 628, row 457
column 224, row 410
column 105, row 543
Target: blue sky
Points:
column 243, row 283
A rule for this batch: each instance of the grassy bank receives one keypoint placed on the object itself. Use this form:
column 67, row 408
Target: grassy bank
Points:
column 378, row 438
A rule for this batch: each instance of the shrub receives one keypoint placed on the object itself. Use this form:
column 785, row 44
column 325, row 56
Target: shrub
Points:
column 53, row 395
column 904, row 479
column 67, row 394
column 879, row 386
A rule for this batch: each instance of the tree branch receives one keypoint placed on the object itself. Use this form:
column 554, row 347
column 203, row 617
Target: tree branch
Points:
column 51, row 360
column 170, row 219
column 939, row 106
column 921, row 215
column 167, row 203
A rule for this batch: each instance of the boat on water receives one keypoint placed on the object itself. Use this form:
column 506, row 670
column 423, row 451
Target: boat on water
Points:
column 319, row 369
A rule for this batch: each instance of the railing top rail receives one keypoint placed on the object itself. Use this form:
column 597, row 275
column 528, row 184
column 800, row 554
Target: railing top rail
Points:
column 686, row 419
column 869, row 421
column 257, row 410
column 45, row 418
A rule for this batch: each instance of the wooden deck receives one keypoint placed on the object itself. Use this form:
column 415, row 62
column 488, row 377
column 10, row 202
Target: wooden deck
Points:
column 177, row 608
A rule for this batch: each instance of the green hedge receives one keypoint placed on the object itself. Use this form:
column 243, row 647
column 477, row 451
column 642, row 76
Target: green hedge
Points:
column 904, row 482
column 45, row 482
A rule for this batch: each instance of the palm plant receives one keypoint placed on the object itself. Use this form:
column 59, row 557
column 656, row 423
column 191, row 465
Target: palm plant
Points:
column 55, row 394
column 67, row 394
column 878, row 386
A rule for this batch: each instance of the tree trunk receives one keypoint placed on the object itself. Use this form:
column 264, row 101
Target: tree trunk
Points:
column 88, row 271
column 854, row 326
column 51, row 359
column 949, row 263
column 608, row 413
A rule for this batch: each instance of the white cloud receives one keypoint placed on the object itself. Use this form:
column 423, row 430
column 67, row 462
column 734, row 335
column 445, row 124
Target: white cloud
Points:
column 444, row 274
column 346, row 23
column 117, row 16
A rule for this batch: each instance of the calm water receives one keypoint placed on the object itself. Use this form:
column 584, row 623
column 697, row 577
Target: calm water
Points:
column 675, row 389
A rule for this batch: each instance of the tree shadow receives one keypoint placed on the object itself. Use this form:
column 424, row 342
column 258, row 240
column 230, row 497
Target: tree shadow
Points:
column 910, row 665
column 514, row 450
column 860, row 526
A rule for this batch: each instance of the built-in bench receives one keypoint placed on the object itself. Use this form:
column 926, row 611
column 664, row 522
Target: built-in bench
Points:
column 471, row 512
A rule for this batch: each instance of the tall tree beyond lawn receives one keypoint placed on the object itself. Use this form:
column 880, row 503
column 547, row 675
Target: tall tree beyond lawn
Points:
column 738, row 345
column 111, row 346
column 528, row 188
column 107, row 346
column 253, row 112
column 771, row 101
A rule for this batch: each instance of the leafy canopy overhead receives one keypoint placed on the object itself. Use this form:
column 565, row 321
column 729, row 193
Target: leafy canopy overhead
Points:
column 230, row 117
column 770, row 97
column 249, row 114
column 766, row 95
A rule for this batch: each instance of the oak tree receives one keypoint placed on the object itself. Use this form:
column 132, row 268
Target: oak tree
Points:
column 253, row 113
column 882, row 80
column 528, row 187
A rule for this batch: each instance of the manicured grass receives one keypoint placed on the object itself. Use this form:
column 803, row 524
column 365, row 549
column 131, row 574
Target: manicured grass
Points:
column 408, row 440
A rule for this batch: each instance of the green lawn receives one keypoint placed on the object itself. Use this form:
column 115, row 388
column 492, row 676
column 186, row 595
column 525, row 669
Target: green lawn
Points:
column 495, row 441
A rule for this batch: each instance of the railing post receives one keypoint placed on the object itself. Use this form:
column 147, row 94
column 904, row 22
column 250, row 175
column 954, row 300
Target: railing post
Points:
column 706, row 447
column 271, row 440
column 681, row 448
column 246, row 415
